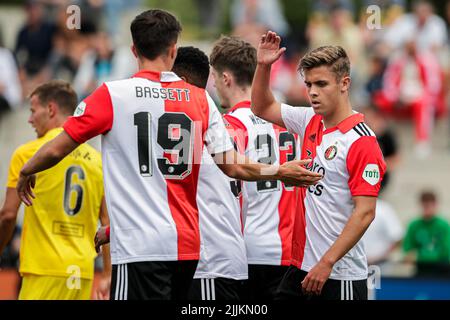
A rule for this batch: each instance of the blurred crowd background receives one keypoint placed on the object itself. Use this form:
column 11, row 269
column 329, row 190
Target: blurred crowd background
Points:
column 400, row 55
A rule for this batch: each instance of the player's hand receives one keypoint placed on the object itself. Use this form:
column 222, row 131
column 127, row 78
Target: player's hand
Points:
column 316, row 278
column 294, row 173
column 269, row 49
column 24, row 188
column 103, row 289
column 100, row 238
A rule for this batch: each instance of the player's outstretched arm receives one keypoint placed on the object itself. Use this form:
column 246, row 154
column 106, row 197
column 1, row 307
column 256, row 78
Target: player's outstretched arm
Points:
column 8, row 216
column 264, row 104
column 240, row 167
column 361, row 218
column 47, row 156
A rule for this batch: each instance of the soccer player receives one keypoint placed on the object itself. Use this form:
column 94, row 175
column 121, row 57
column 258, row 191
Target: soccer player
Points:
column 222, row 267
column 328, row 257
column 154, row 126
column 56, row 253
column 269, row 206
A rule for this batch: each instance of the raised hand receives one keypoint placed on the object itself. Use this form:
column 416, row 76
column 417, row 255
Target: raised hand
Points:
column 269, row 49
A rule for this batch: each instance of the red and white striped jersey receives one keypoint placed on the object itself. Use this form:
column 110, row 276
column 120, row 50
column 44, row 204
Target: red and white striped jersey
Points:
column 268, row 206
column 154, row 126
column 222, row 253
column 352, row 165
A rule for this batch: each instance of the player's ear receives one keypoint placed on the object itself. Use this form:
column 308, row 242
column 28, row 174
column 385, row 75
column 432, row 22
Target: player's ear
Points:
column 133, row 49
column 173, row 51
column 52, row 109
column 345, row 84
column 227, row 79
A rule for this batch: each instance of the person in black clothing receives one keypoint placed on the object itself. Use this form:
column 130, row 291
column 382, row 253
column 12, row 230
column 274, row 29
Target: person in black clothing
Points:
column 35, row 40
column 386, row 139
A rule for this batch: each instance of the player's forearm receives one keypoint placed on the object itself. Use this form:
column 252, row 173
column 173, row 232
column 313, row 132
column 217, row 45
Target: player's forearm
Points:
column 106, row 255
column 238, row 166
column 352, row 233
column 262, row 97
column 49, row 154
column 7, row 225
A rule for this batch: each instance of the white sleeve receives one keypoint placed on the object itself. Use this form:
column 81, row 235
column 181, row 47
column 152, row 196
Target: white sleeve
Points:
column 295, row 118
column 217, row 139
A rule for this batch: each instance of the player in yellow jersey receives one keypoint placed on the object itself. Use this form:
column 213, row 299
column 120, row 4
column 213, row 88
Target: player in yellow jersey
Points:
column 57, row 251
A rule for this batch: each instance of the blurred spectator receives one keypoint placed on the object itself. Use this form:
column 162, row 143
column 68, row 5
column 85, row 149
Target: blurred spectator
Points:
column 387, row 140
column 325, row 6
column 103, row 63
column 429, row 238
column 210, row 13
column 113, row 11
column 10, row 90
column 390, row 11
column 340, row 30
column 246, row 14
column 34, row 41
column 412, row 83
column 70, row 46
column 384, row 234
column 428, row 29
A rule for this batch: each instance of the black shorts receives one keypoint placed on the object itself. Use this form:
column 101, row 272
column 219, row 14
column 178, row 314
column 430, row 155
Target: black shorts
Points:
column 152, row 280
column 263, row 281
column 219, row 289
column 291, row 289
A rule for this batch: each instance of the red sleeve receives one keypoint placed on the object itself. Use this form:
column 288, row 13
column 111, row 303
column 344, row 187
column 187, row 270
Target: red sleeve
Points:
column 93, row 116
column 238, row 131
column 366, row 167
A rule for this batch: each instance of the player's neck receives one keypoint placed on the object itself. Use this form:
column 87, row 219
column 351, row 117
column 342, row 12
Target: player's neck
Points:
column 158, row 65
column 239, row 95
column 341, row 113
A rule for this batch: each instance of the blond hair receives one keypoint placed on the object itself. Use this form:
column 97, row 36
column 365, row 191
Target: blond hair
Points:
column 334, row 57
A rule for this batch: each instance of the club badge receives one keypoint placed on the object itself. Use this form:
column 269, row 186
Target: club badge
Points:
column 331, row 152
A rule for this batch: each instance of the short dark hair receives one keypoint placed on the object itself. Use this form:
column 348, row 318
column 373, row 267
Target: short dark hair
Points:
column 153, row 32
column 193, row 64
column 237, row 56
column 334, row 57
column 428, row 196
column 57, row 91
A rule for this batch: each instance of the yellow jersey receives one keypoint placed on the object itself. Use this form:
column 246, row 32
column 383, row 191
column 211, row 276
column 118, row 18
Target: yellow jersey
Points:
column 59, row 228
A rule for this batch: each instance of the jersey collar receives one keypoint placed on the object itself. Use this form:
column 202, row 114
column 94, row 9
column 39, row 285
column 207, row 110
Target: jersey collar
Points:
column 165, row 76
column 348, row 123
column 242, row 104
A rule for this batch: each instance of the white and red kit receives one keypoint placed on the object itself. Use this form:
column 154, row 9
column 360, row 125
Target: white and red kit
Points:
column 222, row 253
column 268, row 206
column 352, row 165
column 154, row 126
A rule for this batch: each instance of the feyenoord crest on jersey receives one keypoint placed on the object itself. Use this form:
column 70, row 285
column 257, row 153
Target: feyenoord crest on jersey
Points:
column 331, row 152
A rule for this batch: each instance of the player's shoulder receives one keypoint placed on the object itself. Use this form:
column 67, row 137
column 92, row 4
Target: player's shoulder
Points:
column 360, row 132
column 28, row 148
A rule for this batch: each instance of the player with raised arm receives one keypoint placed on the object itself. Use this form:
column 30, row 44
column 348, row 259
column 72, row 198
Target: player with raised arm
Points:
column 153, row 126
column 328, row 257
column 268, row 206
